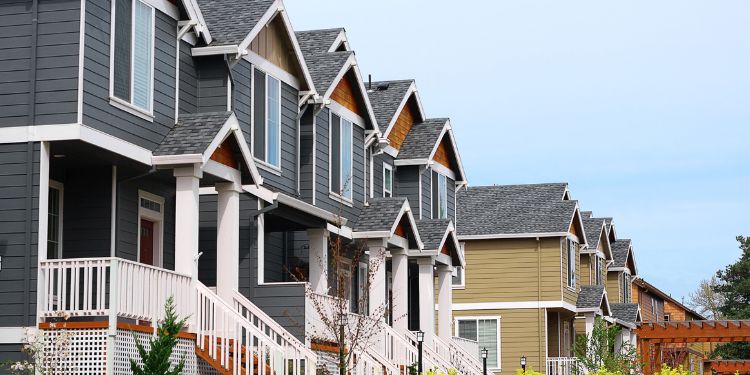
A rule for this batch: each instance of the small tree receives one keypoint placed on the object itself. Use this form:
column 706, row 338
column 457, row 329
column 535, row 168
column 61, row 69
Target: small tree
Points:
column 48, row 353
column 597, row 351
column 734, row 285
column 706, row 300
column 156, row 359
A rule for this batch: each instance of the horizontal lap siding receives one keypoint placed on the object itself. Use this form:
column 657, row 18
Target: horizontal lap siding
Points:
column 426, row 194
column 212, row 84
column 451, row 186
column 188, row 80
column 19, row 220
column 241, row 97
column 407, row 185
column 378, row 175
column 87, row 212
column 506, row 271
column 570, row 295
column 614, row 292
column 287, row 181
column 97, row 112
column 39, row 65
column 307, row 155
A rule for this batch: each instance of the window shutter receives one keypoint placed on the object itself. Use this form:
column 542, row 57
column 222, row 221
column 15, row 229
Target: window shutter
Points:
column 335, row 154
column 259, row 118
column 121, row 68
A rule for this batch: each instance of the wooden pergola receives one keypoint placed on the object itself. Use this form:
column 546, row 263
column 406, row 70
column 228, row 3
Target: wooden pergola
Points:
column 652, row 336
column 727, row 367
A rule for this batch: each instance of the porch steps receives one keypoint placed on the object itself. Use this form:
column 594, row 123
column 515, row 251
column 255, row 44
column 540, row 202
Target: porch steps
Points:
column 205, row 355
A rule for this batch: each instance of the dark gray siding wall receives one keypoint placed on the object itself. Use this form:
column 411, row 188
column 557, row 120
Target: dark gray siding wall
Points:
column 87, row 211
column 97, row 112
column 188, row 80
column 10, row 353
column 378, row 176
column 407, row 185
column 19, row 220
column 427, row 193
column 322, row 183
column 307, row 155
column 242, row 73
column 212, row 84
column 451, row 199
column 39, row 62
column 127, row 216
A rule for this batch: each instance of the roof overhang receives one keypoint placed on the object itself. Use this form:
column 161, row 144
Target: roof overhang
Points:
column 194, row 12
column 450, row 235
column 351, row 63
column 340, row 39
column 412, row 90
column 577, row 219
column 404, row 211
column 459, row 177
column 510, row 235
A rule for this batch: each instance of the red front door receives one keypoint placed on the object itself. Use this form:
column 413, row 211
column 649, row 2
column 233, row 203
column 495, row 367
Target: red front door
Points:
column 147, row 242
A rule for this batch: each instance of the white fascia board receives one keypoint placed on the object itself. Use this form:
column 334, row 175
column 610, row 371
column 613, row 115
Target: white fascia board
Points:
column 341, row 38
column 260, row 192
column 194, row 12
column 444, row 259
column 268, row 67
column 399, row 241
column 114, row 144
column 339, row 75
column 631, row 254
column 270, row 13
column 13, row 335
column 365, row 96
column 346, row 113
column 390, row 150
column 177, row 159
column 411, row 162
column 412, row 88
column 460, row 163
column 232, row 127
column 310, row 209
column 420, row 108
column 342, row 231
column 513, row 305
column 577, row 214
column 447, row 172
column 223, row 172
column 406, row 210
column 372, row 234
column 503, row 236
column 231, row 49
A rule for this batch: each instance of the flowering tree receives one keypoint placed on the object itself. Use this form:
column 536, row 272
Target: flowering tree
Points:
column 47, row 353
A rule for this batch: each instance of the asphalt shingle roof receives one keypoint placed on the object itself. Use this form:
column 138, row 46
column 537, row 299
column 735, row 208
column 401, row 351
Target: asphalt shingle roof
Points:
column 317, row 41
column 230, row 21
column 627, row 312
column 590, row 297
column 379, row 215
column 324, row 67
column 421, row 139
column 620, row 252
column 514, row 209
column 593, row 228
column 431, row 232
column 192, row 134
column 385, row 101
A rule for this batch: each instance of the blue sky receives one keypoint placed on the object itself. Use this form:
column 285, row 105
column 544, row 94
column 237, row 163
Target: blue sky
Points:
column 642, row 106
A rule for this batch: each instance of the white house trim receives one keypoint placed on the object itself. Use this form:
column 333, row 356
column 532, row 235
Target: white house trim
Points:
column 271, row 68
column 194, row 12
column 411, row 90
column 157, row 217
column 341, row 38
column 514, row 305
column 512, row 235
column 498, row 318
column 13, row 335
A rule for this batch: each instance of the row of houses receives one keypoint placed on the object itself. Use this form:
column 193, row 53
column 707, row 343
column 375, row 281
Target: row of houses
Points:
column 206, row 150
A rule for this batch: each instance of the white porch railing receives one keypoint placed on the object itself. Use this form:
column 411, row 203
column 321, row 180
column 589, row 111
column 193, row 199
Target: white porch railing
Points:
column 469, row 346
column 320, row 311
column 562, row 366
column 430, row 358
column 101, row 286
column 464, row 361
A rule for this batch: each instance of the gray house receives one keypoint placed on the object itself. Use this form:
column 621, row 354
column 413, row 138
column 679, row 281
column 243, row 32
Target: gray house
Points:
column 204, row 150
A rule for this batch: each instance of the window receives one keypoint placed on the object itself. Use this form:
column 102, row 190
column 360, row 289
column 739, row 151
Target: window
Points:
column 362, row 290
column 267, row 119
column 625, row 288
column 458, row 280
column 133, row 54
column 667, row 317
column 387, row 180
column 598, row 269
column 439, row 196
column 654, row 307
column 486, row 332
column 571, row 263
column 54, row 220
column 342, row 156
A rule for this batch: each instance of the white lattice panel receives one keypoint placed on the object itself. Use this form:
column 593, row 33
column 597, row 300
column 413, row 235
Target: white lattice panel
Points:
column 205, row 369
column 125, row 349
column 84, row 353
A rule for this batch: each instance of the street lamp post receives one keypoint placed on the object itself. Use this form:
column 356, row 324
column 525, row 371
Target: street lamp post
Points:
column 523, row 363
column 420, row 340
column 484, row 361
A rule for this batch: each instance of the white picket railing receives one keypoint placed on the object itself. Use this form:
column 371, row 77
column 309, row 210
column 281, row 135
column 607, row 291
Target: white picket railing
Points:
column 104, row 286
column 300, row 356
column 398, row 349
column 321, row 311
column 460, row 359
column 562, row 366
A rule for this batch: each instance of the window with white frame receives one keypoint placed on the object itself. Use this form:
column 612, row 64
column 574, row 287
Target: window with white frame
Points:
column 387, row 180
column 486, row 332
column 342, row 156
column 439, row 196
column 458, row 281
column 150, row 228
column 625, row 288
column 267, row 119
column 54, row 220
column 133, row 53
column 571, row 263
column 598, row 269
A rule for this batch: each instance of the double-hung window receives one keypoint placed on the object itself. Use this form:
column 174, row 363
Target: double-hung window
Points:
column 267, row 119
column 387, row 180
column 625, row 288
column 598, row 269
column 439, row 196
column 571, row 263
column 342, row 157
column 133, row 54
column 486, row 332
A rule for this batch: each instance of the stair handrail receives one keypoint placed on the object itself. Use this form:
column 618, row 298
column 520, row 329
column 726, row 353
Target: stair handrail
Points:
column 464, row 362
column 429, row 354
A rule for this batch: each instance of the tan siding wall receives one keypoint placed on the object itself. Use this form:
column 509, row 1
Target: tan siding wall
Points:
column 553, row 332
column 675, row 312
column 273, row 44
column 507, row 271
column 570, row 295
column 522, row 332
column 587, row 271
column 613, row 287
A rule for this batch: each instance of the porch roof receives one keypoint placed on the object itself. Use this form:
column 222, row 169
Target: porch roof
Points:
column 626, row 312
column 592, row 297
column 382, row 217
column 437, row 234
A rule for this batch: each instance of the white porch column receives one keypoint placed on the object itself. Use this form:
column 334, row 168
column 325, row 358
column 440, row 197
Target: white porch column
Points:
column 227, row 240
column 376, row 265
column 426, row 297
column 445, row 301
column 623, row 339
column 318, row 240
column 589, row 319
column 400, row 307
column 186, row 219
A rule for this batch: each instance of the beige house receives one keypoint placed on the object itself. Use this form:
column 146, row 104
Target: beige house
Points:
column 518, row 292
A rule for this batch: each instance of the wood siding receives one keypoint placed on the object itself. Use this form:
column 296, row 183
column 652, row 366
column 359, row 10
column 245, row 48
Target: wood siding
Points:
column 273, row 44
column 570, row 294
column 506, row 270
column 347, row 94
column 443, row 155
column 403, row 124
column 614, row 292
column 587, row 271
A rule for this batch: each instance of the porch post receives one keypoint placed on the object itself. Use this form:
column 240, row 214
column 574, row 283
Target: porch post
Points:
column 228, row 240
column 445, row 301
column 376, row 264
column 400, row 308
column 318, row 278
column 426, row 297
column 186, row 219
column 589, row 318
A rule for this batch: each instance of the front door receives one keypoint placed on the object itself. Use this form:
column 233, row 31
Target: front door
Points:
column 146, row 255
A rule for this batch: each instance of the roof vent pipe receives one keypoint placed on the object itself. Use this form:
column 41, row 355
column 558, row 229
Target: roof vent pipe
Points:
column 369, row 82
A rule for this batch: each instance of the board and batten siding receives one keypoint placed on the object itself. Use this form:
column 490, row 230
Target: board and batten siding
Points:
column 98, row 113
column 19, row 223
column 39, row 62
column 506, row 270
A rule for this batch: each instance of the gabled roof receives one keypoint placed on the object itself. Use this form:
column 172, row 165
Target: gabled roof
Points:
column 388, row 98
column 596, row 228
column 515, row 211
column 592, row 298
column 382, row 216
column 622, row 254
column 423, row 141
column 325, row 67
column 437, row 233
column 318, row 41
column 626, row 312
column 653, row 289
column 195, row 137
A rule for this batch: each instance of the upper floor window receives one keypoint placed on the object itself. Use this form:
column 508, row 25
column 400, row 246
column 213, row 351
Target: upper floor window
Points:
column 571, row 263
column 387, row 180
column 667, row 317
column 654, row 307
column 598, row 269
column 625, row 288
column 267, row 119
column 342, row 157
column 458, row 280
column 133, row 54
column 439, row 196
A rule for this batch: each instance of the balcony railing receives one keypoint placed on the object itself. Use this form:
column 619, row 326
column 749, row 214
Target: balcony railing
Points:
column 563, row 366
